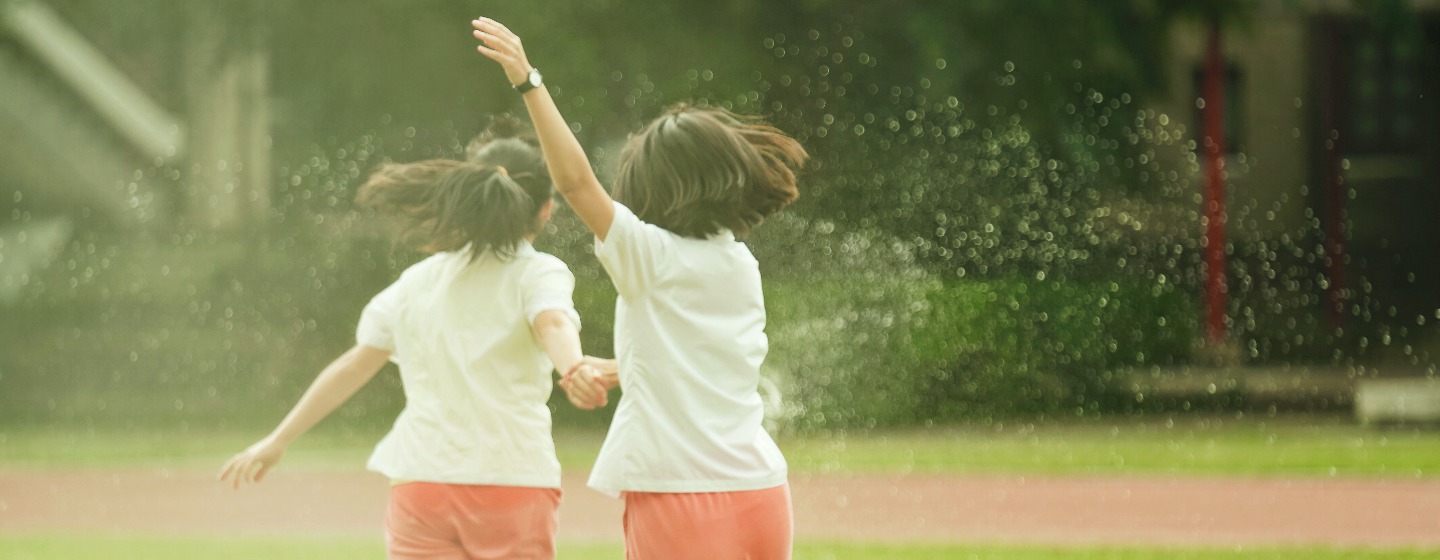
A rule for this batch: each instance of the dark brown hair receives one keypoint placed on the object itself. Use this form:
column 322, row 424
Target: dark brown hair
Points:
column 694, row 171
column 490, row 202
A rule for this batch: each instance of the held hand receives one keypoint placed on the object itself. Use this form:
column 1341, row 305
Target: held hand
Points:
column 609, row 370
column 503, row 47
column 252, row 464
column 584, row 388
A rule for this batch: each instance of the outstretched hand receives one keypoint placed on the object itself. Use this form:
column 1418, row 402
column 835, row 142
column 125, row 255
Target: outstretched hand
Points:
column 502, row 46
column 252, row 464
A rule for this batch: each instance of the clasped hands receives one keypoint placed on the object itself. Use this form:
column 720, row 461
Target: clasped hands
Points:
column 587, row 383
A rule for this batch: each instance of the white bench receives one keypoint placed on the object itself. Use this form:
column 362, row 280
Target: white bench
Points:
column 1397, row 400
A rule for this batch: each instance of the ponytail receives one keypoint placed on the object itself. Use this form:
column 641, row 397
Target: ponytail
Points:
column 490, row 202
column 485, row 208
column 446, row 205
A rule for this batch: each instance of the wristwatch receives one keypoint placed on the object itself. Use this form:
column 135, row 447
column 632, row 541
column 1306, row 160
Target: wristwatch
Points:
column 532, row 81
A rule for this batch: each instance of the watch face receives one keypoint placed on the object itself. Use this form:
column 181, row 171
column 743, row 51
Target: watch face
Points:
column 535, row 78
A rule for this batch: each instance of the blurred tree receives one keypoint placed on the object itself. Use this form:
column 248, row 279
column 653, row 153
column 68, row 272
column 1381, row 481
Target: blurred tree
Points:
column 1033, row 59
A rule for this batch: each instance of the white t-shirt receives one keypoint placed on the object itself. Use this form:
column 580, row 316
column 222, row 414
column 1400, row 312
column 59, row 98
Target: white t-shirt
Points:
column 690, row 337
column 476, row 378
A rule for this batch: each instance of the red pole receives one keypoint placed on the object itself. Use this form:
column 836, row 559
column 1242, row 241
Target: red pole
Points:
column 1214, row 214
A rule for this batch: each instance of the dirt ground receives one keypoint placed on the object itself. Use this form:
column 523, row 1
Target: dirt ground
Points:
column 989, row 509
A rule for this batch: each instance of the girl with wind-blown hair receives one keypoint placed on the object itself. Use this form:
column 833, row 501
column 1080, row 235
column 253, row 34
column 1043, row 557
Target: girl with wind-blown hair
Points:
column 476, row 329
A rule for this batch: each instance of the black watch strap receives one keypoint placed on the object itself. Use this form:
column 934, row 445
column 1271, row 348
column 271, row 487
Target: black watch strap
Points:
column 532, row 81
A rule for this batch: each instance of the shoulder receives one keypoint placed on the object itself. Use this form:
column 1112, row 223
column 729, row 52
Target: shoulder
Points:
column 547, row 261
column 430, row 264
column 630, row 228
column 535, row 264
column 426, row 269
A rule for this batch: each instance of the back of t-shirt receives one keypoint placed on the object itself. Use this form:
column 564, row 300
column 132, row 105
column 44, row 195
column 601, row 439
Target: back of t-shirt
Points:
column 690, row 338
column 476, row 378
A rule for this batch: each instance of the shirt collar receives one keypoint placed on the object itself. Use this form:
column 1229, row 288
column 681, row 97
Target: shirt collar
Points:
column 524, row 248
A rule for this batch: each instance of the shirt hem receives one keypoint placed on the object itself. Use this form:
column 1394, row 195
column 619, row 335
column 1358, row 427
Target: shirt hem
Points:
column 546, row 481
column 614, row 488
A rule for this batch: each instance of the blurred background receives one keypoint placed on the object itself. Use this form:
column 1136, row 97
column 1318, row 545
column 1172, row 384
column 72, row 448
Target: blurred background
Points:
column 1016, row 210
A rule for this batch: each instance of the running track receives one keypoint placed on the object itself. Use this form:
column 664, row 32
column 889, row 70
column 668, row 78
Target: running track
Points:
column 1054, row 510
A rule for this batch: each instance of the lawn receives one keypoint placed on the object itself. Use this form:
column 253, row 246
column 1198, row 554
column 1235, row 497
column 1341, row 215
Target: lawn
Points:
column 1188, row 445
column 55, row 547
column 1185, row 445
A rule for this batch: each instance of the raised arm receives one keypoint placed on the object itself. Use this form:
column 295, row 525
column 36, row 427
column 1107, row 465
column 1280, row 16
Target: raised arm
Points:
column 569, row 167
column 336, row 384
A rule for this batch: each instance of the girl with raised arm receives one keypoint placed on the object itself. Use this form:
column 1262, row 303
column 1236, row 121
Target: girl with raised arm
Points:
column 699, row 475
column 476, row 329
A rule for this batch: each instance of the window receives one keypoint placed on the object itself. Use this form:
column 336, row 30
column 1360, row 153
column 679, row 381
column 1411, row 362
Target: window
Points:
column 1382, row 90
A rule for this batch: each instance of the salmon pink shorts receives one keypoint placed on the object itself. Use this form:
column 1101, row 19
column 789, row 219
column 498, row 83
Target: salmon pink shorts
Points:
column 750, row 525
column 461, row 521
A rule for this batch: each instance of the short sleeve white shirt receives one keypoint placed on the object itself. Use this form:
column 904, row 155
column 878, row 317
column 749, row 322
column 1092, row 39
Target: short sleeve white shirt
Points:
column 690, row 338
column 476, row 378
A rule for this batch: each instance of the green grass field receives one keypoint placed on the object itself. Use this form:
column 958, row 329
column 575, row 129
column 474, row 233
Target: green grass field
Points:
column 1198, row 445
column 55, row 547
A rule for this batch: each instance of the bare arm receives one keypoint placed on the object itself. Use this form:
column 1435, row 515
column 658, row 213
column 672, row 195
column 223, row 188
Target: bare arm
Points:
column 561, row 341
column 569, row 167
column 336, row 384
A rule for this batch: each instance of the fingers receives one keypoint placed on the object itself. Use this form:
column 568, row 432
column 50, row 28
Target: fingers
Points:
column 581, row 392
column 568, row 386
column 610, row 379
column 496, row 36
column 577, row 401
column 605, row 365
column 235, row 470
column 494, row 43
column 581, row 404
column 225, row 470
column 244, row 468
column 496, row 50
column 492, row 54
column 500, row 45
column 495, row 27
column 602, row 394
column 591, row 387
column 585, row 388
column 609, row 371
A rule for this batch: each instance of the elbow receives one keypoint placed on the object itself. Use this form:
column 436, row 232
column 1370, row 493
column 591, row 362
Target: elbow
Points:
column 547, row 330
column 567, row 188
column 549, row 324
column 572, row 184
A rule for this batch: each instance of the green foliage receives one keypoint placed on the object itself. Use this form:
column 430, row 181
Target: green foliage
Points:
column 866, row 351
column 841, row 306
column 1019, row 346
